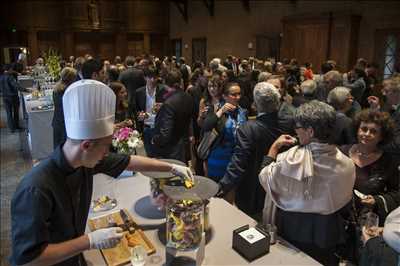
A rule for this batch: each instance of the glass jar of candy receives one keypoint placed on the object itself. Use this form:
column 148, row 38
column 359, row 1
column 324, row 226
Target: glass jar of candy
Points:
column 184, row 224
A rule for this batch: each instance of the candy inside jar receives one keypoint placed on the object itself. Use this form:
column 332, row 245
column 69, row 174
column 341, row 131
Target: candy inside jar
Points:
column 157, row 195
column 184, row 224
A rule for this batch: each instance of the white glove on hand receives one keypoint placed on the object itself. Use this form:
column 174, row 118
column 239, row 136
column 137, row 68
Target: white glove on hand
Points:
column 105, row 238
column 182, row 171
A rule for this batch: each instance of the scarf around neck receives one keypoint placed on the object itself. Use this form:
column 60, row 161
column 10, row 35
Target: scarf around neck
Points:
column 315, row 178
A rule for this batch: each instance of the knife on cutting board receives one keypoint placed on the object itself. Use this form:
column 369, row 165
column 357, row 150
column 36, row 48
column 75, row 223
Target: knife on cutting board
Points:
column 128, row 224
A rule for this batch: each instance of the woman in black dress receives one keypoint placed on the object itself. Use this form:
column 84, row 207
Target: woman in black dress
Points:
column 376, row 172
column 122, row 118
column 68, row 76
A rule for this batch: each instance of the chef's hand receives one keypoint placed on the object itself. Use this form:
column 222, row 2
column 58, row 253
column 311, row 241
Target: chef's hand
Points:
column 182, row 171
column 105, row 238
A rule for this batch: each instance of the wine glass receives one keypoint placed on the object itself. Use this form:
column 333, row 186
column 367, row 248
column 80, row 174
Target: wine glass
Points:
column 138, row 255
column 369, row 220
column 104, row 198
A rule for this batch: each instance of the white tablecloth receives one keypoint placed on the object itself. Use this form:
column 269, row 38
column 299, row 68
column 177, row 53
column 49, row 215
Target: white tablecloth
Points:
column 25, row 81
column 40, row 131
column 224, row 218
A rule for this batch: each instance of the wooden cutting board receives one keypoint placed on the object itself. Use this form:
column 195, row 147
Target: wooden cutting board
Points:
column 120, row 254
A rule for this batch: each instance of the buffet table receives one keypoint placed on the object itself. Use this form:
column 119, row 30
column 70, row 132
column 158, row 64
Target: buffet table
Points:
column 132, row 194
column 40, row 132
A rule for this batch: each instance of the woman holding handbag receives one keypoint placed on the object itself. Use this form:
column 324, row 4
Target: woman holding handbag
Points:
column 228, row 117
column 210, row 102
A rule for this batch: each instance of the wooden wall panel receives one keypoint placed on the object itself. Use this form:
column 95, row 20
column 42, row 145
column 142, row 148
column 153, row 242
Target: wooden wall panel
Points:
column 78, row 35
column 84, row 44
column 305, row 42
column 317, row 39
column 339, row 46
column 47, row 40
column 147, row 16
column 158, row 44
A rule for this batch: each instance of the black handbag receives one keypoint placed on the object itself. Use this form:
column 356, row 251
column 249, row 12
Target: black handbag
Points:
column 208, row 139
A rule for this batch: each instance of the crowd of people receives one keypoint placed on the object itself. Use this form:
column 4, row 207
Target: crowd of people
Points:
column 287, row 146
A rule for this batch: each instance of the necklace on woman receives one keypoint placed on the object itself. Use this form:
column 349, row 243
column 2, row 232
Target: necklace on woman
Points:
column 362, row 154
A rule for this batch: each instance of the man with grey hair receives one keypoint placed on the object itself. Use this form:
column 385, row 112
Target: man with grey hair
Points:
column 307, row 93
column 331, row 80
column 264, row 76
column 215, row 64
column 253, row 139
column 341, row 99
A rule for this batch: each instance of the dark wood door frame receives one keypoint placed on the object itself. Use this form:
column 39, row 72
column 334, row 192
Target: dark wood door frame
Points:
column 203, row 41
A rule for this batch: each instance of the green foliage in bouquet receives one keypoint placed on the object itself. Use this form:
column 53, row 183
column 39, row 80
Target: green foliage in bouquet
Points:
column 52, row 60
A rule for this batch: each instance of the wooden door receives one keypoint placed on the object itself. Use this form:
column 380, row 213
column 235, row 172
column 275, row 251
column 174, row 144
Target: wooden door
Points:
column 317, row 38
column 176, row 48
column 267, row 47
column 199, row 50
column 307, row 42
column 135, row 44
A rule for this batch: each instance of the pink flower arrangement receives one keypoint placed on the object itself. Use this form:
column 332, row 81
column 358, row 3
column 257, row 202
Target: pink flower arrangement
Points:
column 126, row 140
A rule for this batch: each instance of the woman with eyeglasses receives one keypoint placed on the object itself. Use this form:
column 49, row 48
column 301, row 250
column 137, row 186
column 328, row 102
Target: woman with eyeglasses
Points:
column 226, row 118
column 376, row 173
column 308, row 185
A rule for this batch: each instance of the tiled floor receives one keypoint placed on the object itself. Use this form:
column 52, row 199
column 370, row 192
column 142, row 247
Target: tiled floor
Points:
column 14, row 163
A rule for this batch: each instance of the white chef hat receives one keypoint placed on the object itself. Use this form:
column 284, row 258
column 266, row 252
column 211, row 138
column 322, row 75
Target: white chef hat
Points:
column 89, row 110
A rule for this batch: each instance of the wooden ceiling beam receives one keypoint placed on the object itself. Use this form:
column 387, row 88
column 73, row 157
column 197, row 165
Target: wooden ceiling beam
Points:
column 182, row 6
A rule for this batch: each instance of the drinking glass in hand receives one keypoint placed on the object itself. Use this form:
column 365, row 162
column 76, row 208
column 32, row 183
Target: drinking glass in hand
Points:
column 369, row 220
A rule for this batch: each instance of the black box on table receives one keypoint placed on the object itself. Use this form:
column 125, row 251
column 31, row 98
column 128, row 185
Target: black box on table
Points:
column 250, row 243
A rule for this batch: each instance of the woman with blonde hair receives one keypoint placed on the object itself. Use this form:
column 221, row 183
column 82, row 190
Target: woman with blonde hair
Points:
column 67, row 77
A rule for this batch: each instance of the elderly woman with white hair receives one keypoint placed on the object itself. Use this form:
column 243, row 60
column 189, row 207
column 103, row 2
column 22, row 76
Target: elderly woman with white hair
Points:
column 309, row 184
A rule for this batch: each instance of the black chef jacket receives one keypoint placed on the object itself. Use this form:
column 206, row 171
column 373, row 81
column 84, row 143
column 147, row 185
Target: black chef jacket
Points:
column 52, row 202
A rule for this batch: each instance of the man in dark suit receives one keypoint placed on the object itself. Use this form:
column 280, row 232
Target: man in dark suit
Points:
column 132, row 78
column 230, row 64
column 391, row 92
column 341, row 99
column 173, row 120
column 253, row 140
column 148, row 99
column 9, row 88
